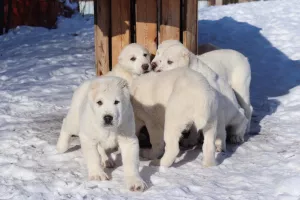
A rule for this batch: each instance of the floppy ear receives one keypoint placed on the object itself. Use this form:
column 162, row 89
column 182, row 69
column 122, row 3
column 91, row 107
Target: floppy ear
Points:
column 92, row 92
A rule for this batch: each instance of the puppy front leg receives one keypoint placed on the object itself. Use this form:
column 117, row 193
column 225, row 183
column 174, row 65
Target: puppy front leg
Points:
column 209, row 148
column 172, row 135
column 106, row 162
column 129, row 147
column 63, row 140
column 221, row 137
column 92, row 159
column 156, row 140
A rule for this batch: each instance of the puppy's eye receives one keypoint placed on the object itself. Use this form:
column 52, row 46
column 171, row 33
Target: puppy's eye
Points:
column 116, row 102
column 170, row 62
column 99, row 103
column 133, row 58
column 145, row 55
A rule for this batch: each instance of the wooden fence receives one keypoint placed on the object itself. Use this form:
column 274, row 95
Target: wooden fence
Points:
column 31, row 13
column 147, row 22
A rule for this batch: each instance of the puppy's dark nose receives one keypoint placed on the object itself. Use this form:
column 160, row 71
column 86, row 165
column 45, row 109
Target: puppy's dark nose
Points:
column 107, row 119
column 153, row 65
column 145, row 67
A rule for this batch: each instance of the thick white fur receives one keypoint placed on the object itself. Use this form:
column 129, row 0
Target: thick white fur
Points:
column 129, row 69
column 86, row 119
column 177, row 56
column 169, row 103
column 230, row 65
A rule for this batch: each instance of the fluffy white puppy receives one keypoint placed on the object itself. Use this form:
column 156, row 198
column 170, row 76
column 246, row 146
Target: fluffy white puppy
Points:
column 230, row 65
column 229, row 107
column 102, row 115
column 133, row 61
column 171, row 102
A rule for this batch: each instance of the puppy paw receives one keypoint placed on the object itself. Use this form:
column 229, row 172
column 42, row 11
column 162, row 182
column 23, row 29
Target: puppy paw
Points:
column 236, row 139
column 136, row 184
column 161, row 162
column 209, row 163
column 63, row 142
column 62, row 147
column 109, row 163
column 220, row 149
column 100, row 176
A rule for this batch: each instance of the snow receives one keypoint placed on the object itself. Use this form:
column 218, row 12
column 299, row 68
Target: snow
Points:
column 39, row 69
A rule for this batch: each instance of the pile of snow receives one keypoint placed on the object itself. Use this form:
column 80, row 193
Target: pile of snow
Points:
column 39, row 69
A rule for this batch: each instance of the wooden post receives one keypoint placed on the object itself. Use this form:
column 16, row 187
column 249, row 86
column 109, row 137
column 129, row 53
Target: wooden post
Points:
column 119, row 22
column 190, row 32
column 120, row 27
column 211, row 2
column 146, row 24
column 219, row 2
column 1, row 16
column 170, row 20
column 101, row 25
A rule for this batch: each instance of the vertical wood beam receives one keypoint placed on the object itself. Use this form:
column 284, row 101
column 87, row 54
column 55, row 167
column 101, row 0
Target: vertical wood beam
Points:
column 120, row 27
column 1, row 16
column 101, row 26
column 170, row 20
column 146, row 24
column 190, row 32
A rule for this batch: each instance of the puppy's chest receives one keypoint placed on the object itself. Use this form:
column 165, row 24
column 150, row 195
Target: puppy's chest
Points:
column 108, row 140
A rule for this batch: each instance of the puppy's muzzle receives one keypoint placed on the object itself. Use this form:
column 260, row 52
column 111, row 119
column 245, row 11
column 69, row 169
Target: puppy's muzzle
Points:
column 145, row 67
column 153, row 65
column 108, row 119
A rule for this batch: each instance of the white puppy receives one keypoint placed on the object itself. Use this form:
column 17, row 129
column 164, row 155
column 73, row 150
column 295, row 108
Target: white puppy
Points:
column 133, row 61
column 230, row 65
column 171, row 102
column 230, row 112
column 102, row 115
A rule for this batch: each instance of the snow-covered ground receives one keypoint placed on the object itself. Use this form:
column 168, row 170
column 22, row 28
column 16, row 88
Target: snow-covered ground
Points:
column 40, row 68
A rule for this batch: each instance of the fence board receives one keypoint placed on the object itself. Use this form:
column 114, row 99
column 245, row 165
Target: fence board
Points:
column 102, row 19
column 190, row 25
column 170, row 20
column 120, row 27
column 146, row 24
column 1, row 16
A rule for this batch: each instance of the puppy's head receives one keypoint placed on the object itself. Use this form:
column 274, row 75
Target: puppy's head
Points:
column 109, row 98
column 135, row 59
column 160, row 50
column 173, row 57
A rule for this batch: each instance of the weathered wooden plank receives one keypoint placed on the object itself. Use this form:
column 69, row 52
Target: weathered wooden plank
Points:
column 1, row 16
column 190, row 25
column 219, row 2
column 211, row 2
column 101, row 26
column 170, row 20
column 146, row 24
column 120, row 27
